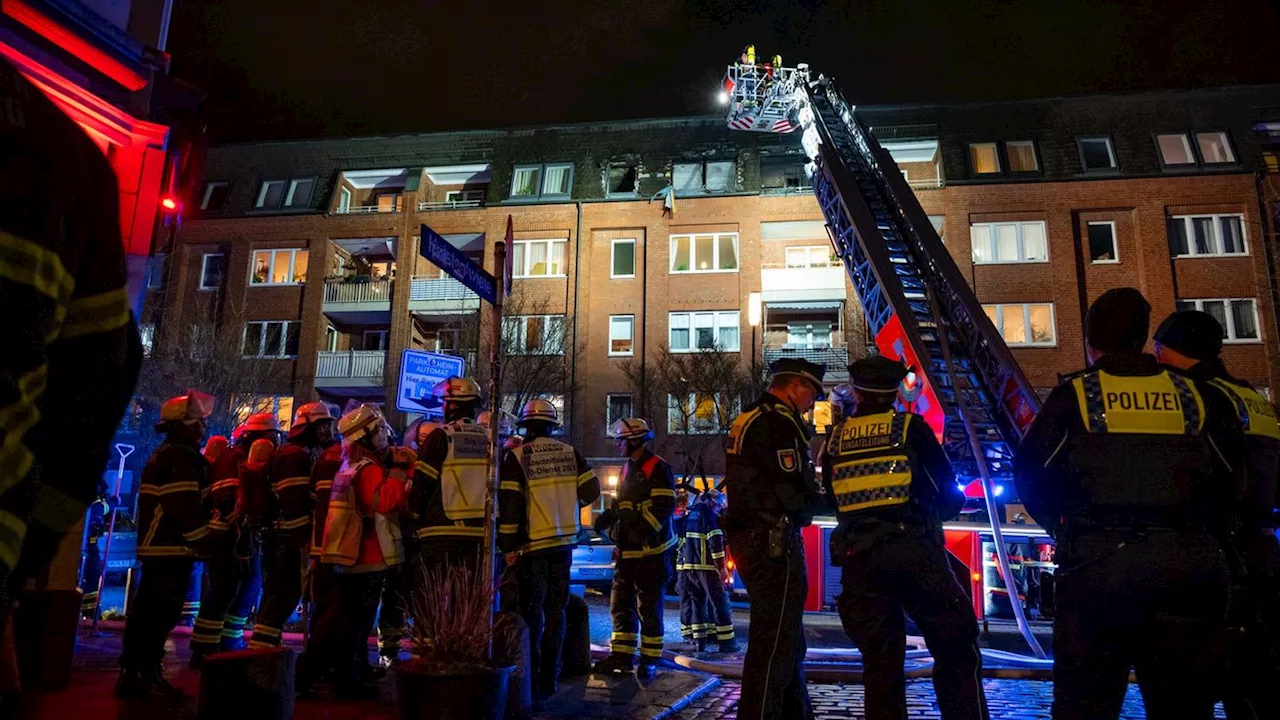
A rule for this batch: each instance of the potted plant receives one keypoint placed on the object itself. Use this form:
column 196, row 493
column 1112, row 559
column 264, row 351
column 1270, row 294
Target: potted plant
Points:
column 450, row 675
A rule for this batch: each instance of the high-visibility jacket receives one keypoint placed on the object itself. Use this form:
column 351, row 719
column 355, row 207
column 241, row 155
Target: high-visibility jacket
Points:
column 322, row 475
column 702, row 543
column 71, row 352
column 171, row 518
column 646, row 500
column 292, row 502
column 451, row 477
column 1261, row 464
column 362, row 531
column 544, row 485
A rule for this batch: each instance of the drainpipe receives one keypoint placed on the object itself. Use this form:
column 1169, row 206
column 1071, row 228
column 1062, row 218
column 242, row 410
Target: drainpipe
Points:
column 644, row 331
column 1268, row 252
column 577, row 288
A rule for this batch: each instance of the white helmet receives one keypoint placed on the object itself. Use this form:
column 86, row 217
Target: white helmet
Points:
column 358, row 423
column 631, row 429
column 538, row 411
column 311, row 412
column 457, row 389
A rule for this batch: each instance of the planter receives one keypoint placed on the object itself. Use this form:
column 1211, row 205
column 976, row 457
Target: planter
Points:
column 436, row 691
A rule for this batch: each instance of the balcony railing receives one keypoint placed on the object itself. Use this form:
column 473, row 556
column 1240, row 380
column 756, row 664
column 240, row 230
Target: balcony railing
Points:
column 366, row 210
column 925, row 184
column 350, row 364
column 827, row 277
column 424, row 289
column 374, row 291
column 835, row 357
column 450, row 205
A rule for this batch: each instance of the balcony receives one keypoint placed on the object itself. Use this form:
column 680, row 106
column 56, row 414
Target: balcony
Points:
column 450, row 205
column 802, row 284
column 366, row 209
column 358, row 303
column 441, row 296
column 835, row 357
column 351, row 369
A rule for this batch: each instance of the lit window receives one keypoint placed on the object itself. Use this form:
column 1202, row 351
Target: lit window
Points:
column 622, row 260
column 1102, row 242
column 700, row 413
column 538, row 258
column 1215, row 149
column 279, row 405
column 1238, row 316
column 1175, row 149
column 700, row 177
column 690, row 332
column 1024, row 325
column 271, row 339
column 1194, row 235
column 533, row 334
column 983, row 158
column 621, row 334
column 617, row 407
column 1097, row 154
column 279, row 267
column 213, row 266
column 553, row 181
column 1011, row 242
column 391, row 202
column 704, row 253
column 215, row 196
column 1022, row 156
column 809, row 256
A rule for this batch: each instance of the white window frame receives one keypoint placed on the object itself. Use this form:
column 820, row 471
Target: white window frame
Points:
column 331, row 339
column 1111, row 153
column 521, row 341
column 608, row 400
column 995, row 153
column 204, row 267
column 527, row 257
column 262, row 340
column 809, row 250
column 1230, row 325
column 264, row 190
column 1026, row 322
column 715, row 253
column 691, row 399
column 208, row 192
column 464, row 197
column 541, row 184
column 702, row 170
column 719, row 319
column 1035, row 159
column 1217, row 229
column 990, row 227
column 1115, row 242
column 344, row 200
column 288, row 204
column 1226, row 143
column 384, row 334
column 613, row 248
column 630, row 322
column 1186, row 145
column 293, row 260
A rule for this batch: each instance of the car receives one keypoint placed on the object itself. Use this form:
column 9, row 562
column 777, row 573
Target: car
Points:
column 592, row 560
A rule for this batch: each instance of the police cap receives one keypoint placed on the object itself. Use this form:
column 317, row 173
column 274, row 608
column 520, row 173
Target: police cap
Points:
column 877, row 374
column 1118, row 321
column 802, row 368
column 1198, row 335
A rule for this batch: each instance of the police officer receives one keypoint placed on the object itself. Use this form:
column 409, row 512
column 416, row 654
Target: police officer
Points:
column 1119, row 467
column 544, row 485
column 176, row 524
column 701, row 561
column 893, row 487
column 1190, row 341
column 644, row 538
column 285, row 545
column 772, row 493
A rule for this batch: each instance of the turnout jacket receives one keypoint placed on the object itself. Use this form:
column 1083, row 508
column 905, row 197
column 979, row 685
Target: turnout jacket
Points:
column 171, row 520
column 702, row 540
column 544, row 485
column 292, row 502
column 322, row 475
column 646, row 501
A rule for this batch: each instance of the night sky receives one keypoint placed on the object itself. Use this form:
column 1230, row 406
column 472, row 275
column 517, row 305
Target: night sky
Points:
column 290, row 69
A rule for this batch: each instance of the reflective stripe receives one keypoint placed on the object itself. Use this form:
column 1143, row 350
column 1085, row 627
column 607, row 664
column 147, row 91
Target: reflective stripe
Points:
column 16, row 420
column 625, row 505
column 196, row 534
column 873, row 482
column 508, row 485
column 324, row 485
column 509, row 528
column 427, row 470
column 644, row 510
column 224, row 485
column 170, row 488
column 97, row 314
column 646, row 552
column 26, row 263
column 276, row 487
column 12, row 532
column 1162, row 404
column 550, row 543
column 450, row 531
column 294, row 524
column 590, row 475
column 662, row 492
column 219, row 526
column 1257, row 415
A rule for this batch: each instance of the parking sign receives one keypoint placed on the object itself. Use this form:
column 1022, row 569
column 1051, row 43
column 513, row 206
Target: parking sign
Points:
column 419, row 372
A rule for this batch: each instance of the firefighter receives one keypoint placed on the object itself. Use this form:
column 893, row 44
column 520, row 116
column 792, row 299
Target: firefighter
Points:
column 644, row 538
column 233, row 571
column 893, row 487
column 704, row 602
column 176, row 525
column 1190, row 341
column 772, row 493
column 62, row 278
column 544, row 485
column 450, row 481
column 326, row 611
column 286, row 544
column 1119, row 467
column 362, row 537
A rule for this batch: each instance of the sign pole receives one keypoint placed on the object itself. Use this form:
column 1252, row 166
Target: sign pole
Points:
column 495, row 421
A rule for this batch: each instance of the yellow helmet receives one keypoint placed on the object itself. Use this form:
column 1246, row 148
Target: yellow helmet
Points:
column 311, row 412
column 359, row 423
column 457, row 389
column 187, row 409
column 631, row 429
column 538, row 411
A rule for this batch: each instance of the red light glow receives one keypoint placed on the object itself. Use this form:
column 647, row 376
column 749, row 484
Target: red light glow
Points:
column 74, row 44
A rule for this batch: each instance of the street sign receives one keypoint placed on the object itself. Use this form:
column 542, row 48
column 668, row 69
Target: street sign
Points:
column 451, row 260
column 419, row 372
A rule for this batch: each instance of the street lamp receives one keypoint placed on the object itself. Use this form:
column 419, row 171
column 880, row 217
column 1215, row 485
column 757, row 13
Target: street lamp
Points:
column 753, row 319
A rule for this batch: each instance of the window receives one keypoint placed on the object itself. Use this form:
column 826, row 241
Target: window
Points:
column 538, row 258
column 621, row 334
column 1102, row 242
column 272, row 339
column 288, row 194
column 534, row 334
column 983, row 158
column 1097, row 154
column 1214, row 147
column 1022, row 156
column 213, row 266
column 804, row 335
column 700, row 413
column 1192, row 235
column 391, row 202
column 622, row 258
column 279, row 267
column 704, row 253
column 622, row 179
column 1238, row 317
column 1011, row 242
column 542, row 181
column 809, row 256
column 374, row 340
column 1024, row 325
column 215, row 196
column 155, row 271
column 617, row 407
column 279, row 405
column 299, row 195
column 692, row 331
column 1175, row 149
column 939, row 223
column 464, row 197
column 344, row 201
column 147, row 335
column 783, row 173
column 700, row 177
column 331, row 339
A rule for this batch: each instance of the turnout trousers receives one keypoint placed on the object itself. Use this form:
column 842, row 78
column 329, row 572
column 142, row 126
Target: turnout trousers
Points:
column 908, row 571
column 544, row 592
column 705, row 613
column 156, row 610
column 281, row 590
column 1155, row 600
column 232, row 584
column 635, row 604
column 326, row 617
column 773, row 684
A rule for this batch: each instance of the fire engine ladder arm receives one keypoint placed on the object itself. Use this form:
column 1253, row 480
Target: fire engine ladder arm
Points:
column 899, row 267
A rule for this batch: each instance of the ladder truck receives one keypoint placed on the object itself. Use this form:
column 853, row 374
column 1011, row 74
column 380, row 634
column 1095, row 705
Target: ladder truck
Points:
column 917, row 303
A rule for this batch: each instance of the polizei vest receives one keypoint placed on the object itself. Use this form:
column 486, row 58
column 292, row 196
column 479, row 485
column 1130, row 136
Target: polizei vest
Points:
column 870, row 462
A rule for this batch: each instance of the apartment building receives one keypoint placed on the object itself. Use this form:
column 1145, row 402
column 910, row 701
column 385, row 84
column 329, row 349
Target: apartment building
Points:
column 645, row 241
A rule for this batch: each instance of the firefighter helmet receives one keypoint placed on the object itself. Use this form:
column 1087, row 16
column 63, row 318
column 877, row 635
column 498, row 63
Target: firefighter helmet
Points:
column 538, row 411
column 631, row 429
column 260, row 452
column 187, row 409
column 310, row 413
column 457, row 389
column 358, row 423
column 262, row 422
